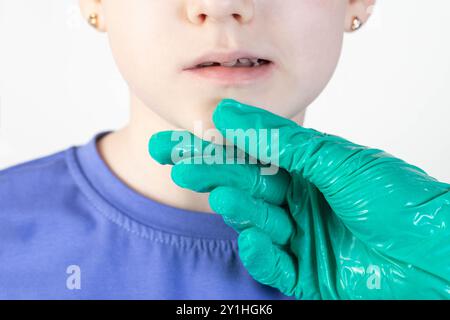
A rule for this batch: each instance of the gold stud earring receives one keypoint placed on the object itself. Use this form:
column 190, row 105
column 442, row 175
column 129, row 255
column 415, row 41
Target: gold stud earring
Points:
column 93, row 20
column 356, row 24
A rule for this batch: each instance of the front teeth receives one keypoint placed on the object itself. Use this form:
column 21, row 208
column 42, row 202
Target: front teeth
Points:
column 243, row 62
column 229, row 64
column 207, row 64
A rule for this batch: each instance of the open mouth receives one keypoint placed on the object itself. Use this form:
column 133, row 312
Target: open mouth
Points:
column 238, row 63
column 244, row 70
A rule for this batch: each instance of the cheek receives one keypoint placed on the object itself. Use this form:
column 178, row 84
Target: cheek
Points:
column 139, row 41
column 307, row 32
column 310, row 40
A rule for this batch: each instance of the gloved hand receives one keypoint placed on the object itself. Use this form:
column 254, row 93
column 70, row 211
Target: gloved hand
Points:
column 338, row 220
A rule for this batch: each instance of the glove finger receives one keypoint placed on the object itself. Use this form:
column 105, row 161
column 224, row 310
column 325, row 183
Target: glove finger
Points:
column 168, row 147
column 242, row 211
column 268, row 263
column 205, row 177
column 171, row 147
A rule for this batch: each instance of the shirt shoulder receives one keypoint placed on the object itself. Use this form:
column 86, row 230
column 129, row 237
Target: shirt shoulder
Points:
column 35, row 184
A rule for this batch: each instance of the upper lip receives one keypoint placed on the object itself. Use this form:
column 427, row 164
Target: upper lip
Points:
column 221, row 57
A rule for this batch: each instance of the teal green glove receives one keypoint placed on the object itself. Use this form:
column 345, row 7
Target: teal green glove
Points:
column 337, row 221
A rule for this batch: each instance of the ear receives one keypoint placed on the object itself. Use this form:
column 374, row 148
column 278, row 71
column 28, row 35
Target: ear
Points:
column 89, row 7
column 360, row 9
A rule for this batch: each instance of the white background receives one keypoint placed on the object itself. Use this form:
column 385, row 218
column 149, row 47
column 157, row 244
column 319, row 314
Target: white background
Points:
column 59, row 84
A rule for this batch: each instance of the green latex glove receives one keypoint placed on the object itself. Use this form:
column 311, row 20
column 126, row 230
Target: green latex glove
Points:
column 338, row 220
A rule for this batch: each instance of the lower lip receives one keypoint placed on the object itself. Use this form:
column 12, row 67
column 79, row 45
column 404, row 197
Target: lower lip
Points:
column 233, row 75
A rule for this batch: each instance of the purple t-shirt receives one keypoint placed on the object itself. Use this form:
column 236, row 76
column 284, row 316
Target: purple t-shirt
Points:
column 70, row 229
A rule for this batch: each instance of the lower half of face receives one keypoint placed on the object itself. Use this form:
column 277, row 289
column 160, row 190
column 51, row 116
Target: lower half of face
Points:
column 154, row 42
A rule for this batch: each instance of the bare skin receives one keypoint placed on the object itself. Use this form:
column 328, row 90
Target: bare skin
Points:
column 152, row 41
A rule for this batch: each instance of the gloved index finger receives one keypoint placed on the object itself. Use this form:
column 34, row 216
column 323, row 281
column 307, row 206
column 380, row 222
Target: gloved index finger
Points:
column 166, row 147
column 171, row 147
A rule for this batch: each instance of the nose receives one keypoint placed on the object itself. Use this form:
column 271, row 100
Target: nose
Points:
column 200, row 11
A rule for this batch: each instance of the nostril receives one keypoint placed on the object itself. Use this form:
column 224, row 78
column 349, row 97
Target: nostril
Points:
column 202, row 17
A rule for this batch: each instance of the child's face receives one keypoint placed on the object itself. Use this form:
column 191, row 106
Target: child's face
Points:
column 153, row 40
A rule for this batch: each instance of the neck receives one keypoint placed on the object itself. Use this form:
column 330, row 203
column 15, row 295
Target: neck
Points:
column 125, row 151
